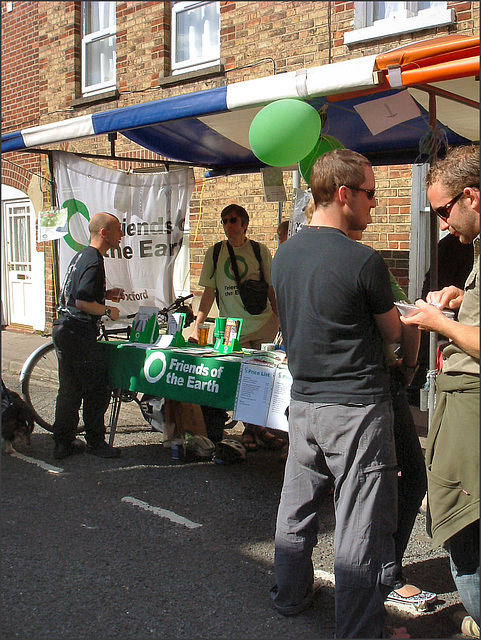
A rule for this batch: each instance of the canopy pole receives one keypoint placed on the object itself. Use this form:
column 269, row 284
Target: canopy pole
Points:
column 433, row 282
column 112, row 138
column 296, row 184
column 296, row 179
column 53, row 200
column 99, row 156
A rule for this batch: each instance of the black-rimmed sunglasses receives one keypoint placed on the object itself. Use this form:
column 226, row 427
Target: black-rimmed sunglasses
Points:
column 445, row 211
column 231, row 220
column 369, row 192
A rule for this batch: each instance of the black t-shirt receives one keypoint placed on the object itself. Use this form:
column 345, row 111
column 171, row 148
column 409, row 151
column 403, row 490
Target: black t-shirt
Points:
column 328, row 289
column 84, row 280
column 455, row 261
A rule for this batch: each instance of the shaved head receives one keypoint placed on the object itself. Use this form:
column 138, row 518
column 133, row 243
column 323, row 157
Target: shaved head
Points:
column 102, row 220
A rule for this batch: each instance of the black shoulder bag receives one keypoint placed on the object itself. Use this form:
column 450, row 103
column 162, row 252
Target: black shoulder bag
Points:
column 253, row 293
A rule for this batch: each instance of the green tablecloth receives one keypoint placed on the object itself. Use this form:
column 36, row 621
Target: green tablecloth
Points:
column 177, row 375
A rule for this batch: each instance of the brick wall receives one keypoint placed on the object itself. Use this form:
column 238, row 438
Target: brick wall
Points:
column 20, row 76
column 20, row 85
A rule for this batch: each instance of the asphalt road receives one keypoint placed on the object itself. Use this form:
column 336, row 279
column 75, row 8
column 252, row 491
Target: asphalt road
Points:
column 144, row 547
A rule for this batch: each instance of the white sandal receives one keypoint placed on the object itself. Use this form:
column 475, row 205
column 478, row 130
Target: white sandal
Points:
column 413, row 598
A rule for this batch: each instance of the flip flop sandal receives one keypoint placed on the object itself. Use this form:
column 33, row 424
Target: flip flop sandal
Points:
column 249, row 440
column 230, row 423
column 268, row 440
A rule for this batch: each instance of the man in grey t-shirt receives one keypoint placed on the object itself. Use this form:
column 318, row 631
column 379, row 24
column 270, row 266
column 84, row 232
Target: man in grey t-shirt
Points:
column 335, row 312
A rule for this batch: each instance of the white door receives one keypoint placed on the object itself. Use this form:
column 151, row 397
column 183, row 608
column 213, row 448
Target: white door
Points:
column 20, row 223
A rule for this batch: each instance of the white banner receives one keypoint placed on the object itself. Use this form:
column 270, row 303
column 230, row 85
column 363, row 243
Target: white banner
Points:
column 152, row 209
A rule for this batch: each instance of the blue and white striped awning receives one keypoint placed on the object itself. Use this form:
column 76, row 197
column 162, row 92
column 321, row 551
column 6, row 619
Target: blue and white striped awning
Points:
column 210, row 128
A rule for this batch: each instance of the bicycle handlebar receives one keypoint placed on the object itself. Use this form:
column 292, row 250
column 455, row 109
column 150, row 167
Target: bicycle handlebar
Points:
column 181, row 299
column 178, row 302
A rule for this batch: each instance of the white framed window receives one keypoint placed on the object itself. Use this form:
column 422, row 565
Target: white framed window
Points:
column 195, row 35
column 373, row 20
column 99, row 30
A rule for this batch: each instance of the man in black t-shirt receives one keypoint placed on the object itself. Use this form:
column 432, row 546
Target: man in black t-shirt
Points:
column 336, row 310
column 82, row 370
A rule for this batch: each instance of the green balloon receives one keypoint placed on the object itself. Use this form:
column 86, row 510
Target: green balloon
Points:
column 323, row 145
column 284, row 132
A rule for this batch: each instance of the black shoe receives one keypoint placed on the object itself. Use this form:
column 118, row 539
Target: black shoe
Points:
column 103, row 450
column 64, row 450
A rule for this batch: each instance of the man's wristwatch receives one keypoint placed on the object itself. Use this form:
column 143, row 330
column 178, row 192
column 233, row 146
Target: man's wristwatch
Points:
column 410, row 371
column 108, row 312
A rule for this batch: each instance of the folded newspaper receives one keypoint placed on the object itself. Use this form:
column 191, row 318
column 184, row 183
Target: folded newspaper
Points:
column 271, row 358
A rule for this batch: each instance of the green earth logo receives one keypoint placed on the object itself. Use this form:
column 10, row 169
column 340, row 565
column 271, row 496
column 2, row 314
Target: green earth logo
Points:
column 241, row 266
column 154, row 367
column 74, row 206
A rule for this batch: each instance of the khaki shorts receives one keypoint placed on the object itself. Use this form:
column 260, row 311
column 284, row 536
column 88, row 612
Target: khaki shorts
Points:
column 266, row 333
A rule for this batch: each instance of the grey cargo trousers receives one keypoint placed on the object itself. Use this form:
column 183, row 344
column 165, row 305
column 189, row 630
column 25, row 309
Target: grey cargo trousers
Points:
column 352, row 447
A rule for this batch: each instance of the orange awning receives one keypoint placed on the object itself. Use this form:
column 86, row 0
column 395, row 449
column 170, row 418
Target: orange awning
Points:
column 445, row 58
column 421, row 63
column 439, row 72
column 428, row 52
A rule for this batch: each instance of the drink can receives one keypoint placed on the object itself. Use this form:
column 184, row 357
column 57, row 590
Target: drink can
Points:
column 175, row 447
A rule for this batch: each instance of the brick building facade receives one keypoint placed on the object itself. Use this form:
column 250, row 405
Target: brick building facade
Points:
column 41, row 84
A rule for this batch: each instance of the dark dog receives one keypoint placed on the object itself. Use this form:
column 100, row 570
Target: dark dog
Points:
column 17, row 420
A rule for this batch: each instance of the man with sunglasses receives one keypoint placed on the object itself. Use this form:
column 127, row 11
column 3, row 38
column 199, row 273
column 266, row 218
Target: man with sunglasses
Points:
column 256, row 329
column 336, row 312
column 452, row 449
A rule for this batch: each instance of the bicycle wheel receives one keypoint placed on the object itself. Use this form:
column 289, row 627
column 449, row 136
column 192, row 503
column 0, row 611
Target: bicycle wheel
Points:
column 39, row 378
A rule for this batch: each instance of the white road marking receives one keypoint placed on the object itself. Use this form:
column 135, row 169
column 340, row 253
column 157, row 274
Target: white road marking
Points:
column 156, row 466
column 163, row 513
column 40, row 463
column 138, row 466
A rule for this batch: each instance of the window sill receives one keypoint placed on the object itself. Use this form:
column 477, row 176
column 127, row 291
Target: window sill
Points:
column 106, row 96
column 189, row 76
column 386, row 28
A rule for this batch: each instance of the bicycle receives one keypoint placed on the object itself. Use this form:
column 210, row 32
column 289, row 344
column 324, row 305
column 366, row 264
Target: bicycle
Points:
column 39, row 374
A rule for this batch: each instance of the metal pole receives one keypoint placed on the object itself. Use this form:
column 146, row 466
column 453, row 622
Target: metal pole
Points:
column 433, row 282
column 53, row 200
column 296, row 179
column 112, row 138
